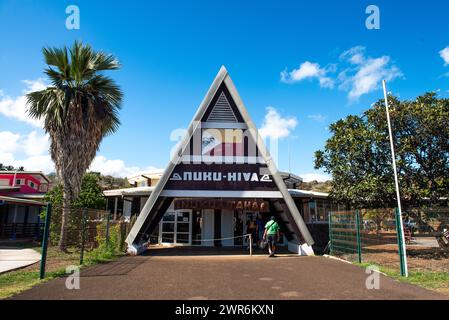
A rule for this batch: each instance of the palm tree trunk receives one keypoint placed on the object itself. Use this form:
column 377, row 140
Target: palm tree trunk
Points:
column 64, row 220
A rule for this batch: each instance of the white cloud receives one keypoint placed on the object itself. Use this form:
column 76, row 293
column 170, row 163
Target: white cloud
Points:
column 8, row 141
column 36, row 144
column 366, row 74
column 37, row 163
column 368, row 77
column 308, row 70
column 275, row 126
column 359, row 74
column 320, row 177
column 116, row 168
column 16, row 108
column 444, row 54
column 31, row 151
column 32, row 144
column 317, row 117
column 355, row 55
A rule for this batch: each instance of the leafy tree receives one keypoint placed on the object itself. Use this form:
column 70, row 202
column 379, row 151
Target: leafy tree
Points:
column 10, row 168
column 359, row 158
column 90, row 196
column 79, row 108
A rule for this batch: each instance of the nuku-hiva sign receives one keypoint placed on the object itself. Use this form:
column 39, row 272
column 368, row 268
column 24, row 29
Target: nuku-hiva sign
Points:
column 222, row 156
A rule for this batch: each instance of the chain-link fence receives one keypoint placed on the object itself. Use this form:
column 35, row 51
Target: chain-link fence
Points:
column 92, row 235
column 373, row 236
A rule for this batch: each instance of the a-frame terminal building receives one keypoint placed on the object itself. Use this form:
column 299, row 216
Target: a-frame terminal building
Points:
column 220, row 170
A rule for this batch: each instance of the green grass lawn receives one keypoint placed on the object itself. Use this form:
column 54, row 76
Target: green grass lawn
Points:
column 438, row 281
column 16, row 281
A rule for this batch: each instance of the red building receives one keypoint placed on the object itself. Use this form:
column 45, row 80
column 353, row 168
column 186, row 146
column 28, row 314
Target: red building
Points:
column 21, row 200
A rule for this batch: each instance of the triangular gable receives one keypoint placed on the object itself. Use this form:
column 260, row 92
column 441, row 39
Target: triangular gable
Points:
column 189, row 173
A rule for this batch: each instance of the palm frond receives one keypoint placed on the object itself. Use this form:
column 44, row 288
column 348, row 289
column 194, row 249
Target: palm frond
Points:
column 103, row 61
column 58, row 58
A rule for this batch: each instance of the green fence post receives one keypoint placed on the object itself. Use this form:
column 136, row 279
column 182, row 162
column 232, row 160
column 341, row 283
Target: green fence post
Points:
column 357, row 228
column 330, row 233
column 399, row 233
column 45, row 241
column 83, row 235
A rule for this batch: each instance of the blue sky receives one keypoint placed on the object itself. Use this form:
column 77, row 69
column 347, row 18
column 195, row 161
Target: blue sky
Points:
column 311, row 61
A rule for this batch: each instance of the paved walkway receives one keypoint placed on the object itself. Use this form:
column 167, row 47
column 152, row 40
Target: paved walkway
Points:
column 13, row 258
column 185, row 276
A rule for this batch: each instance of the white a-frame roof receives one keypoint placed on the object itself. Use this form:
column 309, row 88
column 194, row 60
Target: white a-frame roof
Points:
column 149, row 216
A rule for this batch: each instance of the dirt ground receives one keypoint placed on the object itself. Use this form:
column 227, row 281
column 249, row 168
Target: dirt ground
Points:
column 420, row 259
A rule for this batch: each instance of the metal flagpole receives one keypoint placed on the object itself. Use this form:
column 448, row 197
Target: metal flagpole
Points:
column 393, row 156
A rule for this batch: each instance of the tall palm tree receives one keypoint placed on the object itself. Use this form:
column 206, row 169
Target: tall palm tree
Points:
column 78, row 109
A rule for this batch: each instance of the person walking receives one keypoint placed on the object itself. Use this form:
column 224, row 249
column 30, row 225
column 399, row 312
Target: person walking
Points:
column 271, row 235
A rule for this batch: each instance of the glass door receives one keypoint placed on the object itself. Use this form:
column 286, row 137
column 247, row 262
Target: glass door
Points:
column 183, row 226
column 175, row 228
column 167, row 234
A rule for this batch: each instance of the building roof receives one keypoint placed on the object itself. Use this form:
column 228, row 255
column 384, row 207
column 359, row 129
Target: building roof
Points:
column 136, row 191
column 146, row 191
column 35, row 196
column 38, row 174
column 290, row 179
column 15, row 200
column 307, row 193
column 152, row 174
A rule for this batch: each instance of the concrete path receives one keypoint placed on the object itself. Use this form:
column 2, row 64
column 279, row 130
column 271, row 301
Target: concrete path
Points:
column 13, row 258
column 159, row 276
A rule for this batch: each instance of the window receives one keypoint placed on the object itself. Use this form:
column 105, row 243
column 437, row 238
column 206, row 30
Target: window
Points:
column 32, row 184
column 20, row 182
column 143, row 184
column 312, row 210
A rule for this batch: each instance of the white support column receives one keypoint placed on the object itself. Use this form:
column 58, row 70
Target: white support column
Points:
column 115, row 207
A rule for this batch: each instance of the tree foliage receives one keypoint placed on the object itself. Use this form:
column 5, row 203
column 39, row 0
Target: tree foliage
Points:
column 79, row 108
column 90, row 196
column 10, row 168
column 358, row 154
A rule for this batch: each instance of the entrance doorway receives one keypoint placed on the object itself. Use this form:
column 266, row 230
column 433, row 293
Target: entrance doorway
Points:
column 244, row 222
column 176, row 228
